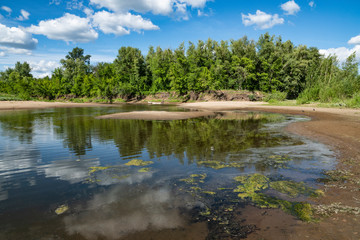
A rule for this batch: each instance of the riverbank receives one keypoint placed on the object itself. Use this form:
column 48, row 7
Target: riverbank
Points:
column 21, row 105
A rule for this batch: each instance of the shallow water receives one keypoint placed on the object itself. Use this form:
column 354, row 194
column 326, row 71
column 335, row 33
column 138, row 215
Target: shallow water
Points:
column 65, row 157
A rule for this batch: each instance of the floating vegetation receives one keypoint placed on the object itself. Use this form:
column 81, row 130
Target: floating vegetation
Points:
column 194, row 179
column 327, row 210
column 121, row 177
column 62, row 209
column 277, row 161
column 336, row 176
column 139, row 163
column 209, row 192
column 252, row 185
column 95, row 169
column 215, row 164
column 295, row 189
column 144, row 170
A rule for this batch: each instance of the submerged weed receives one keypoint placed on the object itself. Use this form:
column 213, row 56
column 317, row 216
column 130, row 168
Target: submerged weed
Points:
column 139, row 163
column 62, row 209
column 295, row 189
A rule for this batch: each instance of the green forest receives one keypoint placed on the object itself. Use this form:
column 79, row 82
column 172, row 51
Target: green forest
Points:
column 270, row 65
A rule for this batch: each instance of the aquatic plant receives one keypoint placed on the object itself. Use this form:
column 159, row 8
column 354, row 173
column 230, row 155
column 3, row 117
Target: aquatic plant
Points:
column 144, row 170
column 216, row 164
column 139, row 163
column 61, row 209
column 251, row 184
column 194, row 179
column 95, row 169
column 294, row 189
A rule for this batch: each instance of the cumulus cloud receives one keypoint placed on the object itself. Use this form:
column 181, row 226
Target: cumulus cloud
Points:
column 355, row 40
column 290, row 7
column 121, row 24
column 69, row 28
column 163, row 7
column 18, row 51
column 24, row 15
column 6, row 9
column 17, row 38
column 43, row 68
column 261, row 20
column 342, row 53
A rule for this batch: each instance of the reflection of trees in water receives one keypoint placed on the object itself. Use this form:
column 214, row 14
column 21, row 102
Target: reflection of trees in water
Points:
column 197, row 138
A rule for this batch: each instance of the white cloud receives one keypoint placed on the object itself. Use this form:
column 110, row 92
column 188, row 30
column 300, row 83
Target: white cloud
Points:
column 18, row 51
column 2, row 54
column 261, row 20
column 181, row 11
column 24, row 15
column 69, row 28
column 195, row 3
column 6, row 9
column 342, row 53
column 312, row 4
column 163, row 7
column 13, row 37
column 290, row 7
column 43, row 68
column 355, row 40
column 121, row 24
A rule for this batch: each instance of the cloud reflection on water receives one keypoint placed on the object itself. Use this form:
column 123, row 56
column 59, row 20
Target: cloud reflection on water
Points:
column 123, row 210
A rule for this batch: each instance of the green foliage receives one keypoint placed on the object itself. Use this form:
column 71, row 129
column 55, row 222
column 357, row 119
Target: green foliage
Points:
column 272, row 66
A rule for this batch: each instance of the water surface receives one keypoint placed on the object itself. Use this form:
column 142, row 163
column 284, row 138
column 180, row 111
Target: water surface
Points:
column 66, row 157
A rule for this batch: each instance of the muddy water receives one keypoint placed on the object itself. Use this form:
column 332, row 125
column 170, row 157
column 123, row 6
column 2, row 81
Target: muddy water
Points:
column 66, row 175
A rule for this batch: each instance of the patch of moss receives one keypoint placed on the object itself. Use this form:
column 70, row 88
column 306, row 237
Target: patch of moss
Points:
column 144, row 170
column 62, row 209
column 139, row 163
column 294, row 189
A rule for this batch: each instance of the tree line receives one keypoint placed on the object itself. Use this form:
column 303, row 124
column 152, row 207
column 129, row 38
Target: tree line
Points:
column 269, row 65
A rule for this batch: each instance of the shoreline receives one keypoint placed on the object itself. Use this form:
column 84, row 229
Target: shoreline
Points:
column 337, row 128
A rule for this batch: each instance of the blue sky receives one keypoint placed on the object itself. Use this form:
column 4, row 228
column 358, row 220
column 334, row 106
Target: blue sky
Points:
column 42, row 32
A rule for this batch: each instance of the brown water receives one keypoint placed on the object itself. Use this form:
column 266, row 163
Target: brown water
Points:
column 65, row 157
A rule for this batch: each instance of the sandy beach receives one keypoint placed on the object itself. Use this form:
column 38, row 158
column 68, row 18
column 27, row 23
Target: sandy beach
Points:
column 338, row 128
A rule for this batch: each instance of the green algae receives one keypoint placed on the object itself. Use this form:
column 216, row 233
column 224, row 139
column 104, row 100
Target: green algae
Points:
column 61, row 209
column 251, row 184
column 121, row 177
column 220, row 164
column 196, row 188
column 295, row 189
column 139, row 163
column 144, row 170
column 95, row 169
column 209, row 192
column 194, row 179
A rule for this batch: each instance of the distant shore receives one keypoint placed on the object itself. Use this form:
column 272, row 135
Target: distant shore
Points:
column 21, row 105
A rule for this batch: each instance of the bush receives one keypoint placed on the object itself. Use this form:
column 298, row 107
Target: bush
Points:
column 275, row 96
